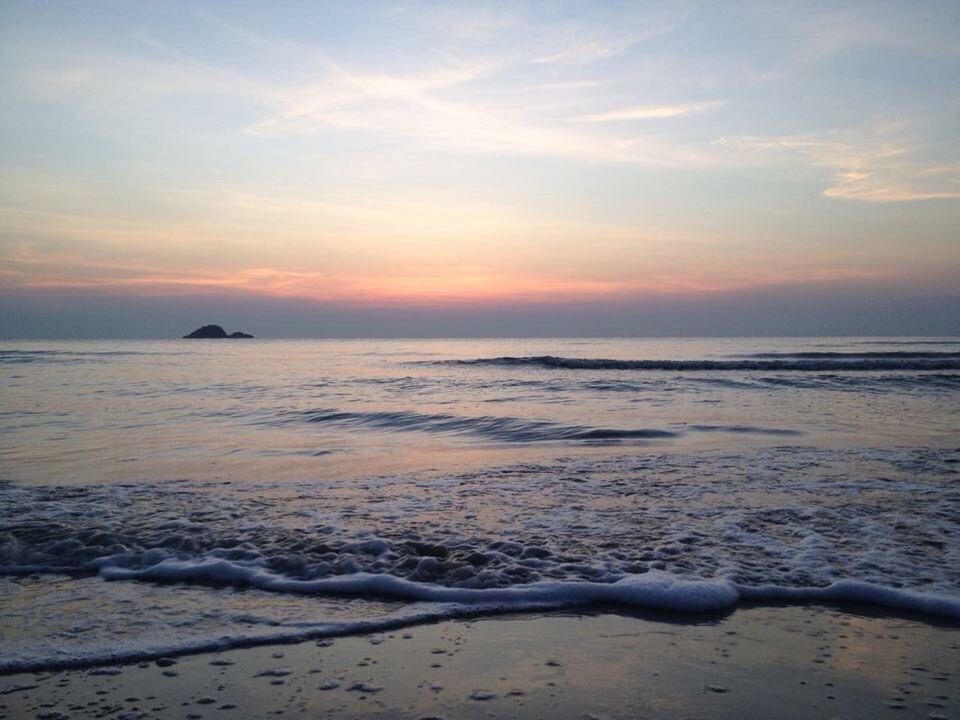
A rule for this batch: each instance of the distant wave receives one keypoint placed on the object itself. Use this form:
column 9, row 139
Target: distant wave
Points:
column 933, row 381
column 511, row 429
column 909, row 342
column 47, row 356
column 743, row 430
column 872, row 383
column 503, row 429
column 873, row 355
column 829, row 364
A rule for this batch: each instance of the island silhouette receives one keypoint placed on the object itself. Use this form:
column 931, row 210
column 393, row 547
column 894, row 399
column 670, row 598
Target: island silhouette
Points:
column 215, row 332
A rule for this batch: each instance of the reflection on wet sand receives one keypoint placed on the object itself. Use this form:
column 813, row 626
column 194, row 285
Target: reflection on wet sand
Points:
column 783, row 662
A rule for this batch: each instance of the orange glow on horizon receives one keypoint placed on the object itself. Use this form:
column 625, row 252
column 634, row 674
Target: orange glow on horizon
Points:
column 468, row 287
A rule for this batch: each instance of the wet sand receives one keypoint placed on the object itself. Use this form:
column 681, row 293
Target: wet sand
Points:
column 760, row 662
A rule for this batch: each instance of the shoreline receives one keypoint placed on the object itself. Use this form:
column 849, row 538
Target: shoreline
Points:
column 757, row 661
column 373, row 604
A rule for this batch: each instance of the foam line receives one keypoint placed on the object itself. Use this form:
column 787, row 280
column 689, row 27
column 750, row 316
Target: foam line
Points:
column 653, row 590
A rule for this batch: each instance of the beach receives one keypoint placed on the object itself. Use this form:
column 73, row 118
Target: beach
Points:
column 783, row 662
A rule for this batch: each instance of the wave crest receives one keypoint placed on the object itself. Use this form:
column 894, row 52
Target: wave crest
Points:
column 502, row 429
column 803, row 364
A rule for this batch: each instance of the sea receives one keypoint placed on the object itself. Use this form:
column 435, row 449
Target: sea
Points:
column 176, row 496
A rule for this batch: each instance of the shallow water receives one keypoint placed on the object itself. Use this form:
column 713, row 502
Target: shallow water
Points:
column 460, row 477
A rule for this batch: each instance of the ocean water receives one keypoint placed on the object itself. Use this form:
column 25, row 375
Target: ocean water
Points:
column 175, row 496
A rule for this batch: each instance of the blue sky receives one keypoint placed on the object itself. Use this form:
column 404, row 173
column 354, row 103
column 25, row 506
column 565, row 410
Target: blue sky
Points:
column 312, row 166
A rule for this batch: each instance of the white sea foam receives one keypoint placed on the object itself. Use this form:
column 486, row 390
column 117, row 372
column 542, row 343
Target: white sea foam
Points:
column 430, row 603
column 652, row 590
column 682, row 532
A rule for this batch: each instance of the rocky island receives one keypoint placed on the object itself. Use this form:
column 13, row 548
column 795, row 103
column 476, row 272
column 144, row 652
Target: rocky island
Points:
column 215, row 332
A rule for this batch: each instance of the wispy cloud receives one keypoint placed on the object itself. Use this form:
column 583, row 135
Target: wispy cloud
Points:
column 811, row 38
column 578, row 35
column 876, row 164
column 471, row 94
column 654, row 112
column 438, row 109
column 486, row 99
column 583, row 52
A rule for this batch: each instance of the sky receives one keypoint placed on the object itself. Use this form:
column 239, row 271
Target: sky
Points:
column 311, row 169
